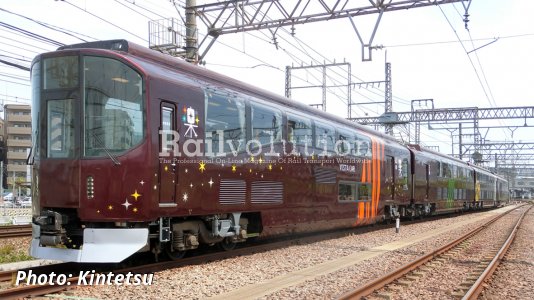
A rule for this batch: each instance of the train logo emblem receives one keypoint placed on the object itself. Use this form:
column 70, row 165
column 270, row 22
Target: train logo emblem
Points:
column 190, row 119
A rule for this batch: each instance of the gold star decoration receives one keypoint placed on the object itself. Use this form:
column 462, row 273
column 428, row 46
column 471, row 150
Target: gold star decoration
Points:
column 166, row 168
column 270, row 167
column 260, row 160
column 135, row 195
column 110, row 207
column 251, row 158
column 135, row 209
column 234, row 168
column 250, row 170
column 201, row 167
column 210, row 182
column 280, row 167
column 197, row 120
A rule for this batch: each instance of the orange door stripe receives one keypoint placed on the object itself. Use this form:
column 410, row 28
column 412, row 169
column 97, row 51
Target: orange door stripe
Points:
column 364, row 178
column 380, row 157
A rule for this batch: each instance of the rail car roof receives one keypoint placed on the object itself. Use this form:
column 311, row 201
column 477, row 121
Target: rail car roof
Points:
column 418, row 148
column 450, row 158
column 216, row 78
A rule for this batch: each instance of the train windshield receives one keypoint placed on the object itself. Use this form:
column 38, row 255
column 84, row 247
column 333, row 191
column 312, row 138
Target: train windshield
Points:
column 113, row 106
column 105, row 92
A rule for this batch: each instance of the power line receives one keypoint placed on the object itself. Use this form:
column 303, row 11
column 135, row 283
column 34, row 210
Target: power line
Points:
column 16, row 97
column 11, row 57
column 4, row 37
column 53, row 27
column 104, row 20
column 144, row 8
column 18, row 77
column 124, row 5
column 14, row 65
column 31, row 34
column 460, row 41
column 14, row 81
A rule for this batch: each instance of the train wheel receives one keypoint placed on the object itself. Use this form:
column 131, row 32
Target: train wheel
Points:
column 174, row 255
column 227, row 244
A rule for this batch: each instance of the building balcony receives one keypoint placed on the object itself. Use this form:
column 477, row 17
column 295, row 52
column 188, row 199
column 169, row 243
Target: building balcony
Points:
column 17, row 168
column 19, row 143
column 17, row 155
column 19, row 130
column 19, row 118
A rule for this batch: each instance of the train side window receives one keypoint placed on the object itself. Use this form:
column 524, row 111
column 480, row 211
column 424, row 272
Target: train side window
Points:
column 354, row 191
column 361, row 146
column 404, row 173
column 60, row 138
column 225, row 116
column 346, row 192
column 266, row 124
column 299, row 130
column 446, row 171
column 324, row 135
column 438, row 169
column 345, row 140
column 167, row 125
column 364, row 191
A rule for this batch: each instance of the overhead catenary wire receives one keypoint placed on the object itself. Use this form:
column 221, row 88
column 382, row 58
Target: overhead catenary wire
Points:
column 488, row 93
column 23, row 43
column 104, row 20
column 298, row 60
column 49, row 26
column 31, row 34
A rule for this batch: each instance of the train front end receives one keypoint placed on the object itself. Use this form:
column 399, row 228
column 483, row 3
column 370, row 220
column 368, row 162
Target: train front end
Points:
column 89, row 157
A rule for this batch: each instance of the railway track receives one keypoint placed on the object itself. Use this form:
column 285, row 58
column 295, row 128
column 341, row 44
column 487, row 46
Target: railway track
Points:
column 417, row 272
column 15, row 231
column 7, row 278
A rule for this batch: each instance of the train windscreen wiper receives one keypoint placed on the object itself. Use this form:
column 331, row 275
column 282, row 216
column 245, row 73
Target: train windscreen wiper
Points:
column 103, row 147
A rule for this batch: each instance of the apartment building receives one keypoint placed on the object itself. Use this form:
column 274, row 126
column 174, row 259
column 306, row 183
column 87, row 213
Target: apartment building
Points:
column 17, row 137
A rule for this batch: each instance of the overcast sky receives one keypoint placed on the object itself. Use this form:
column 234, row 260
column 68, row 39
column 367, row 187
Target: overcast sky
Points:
column 421, row 44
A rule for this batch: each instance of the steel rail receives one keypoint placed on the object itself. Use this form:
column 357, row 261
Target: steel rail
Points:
column 15, row 231
column 478, row 286
column 379, row 283
column 38, row 290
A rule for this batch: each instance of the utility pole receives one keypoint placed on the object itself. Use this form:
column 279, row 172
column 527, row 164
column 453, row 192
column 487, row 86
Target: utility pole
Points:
column 2, row 183
column 460, row 141
column 14, row 199
column 388, row 95
column 191, row 41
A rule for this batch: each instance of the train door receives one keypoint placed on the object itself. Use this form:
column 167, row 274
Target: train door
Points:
column 390, row 176
column 427, row 180
column 168, row 167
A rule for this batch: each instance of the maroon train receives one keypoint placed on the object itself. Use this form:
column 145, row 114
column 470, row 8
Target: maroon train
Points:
column 138, row 151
